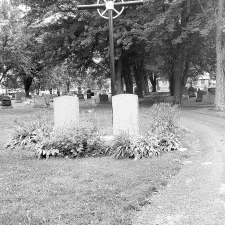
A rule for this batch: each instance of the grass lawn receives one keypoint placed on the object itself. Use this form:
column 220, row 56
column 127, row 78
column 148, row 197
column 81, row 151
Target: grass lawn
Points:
column 81, row 191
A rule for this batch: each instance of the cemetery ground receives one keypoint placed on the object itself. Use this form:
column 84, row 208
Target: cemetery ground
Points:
column 108, row 191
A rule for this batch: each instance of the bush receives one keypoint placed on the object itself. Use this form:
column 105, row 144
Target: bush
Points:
column 165, row 118
column 125, row 146
column 28, row 134
column 73, row 143
column 85, row 141
column 40, row 136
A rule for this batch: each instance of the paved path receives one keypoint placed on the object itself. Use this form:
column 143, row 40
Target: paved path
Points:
column 197, row 195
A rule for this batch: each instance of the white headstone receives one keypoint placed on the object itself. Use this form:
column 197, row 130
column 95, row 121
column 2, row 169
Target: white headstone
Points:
column 66, row 111
column 125, row 114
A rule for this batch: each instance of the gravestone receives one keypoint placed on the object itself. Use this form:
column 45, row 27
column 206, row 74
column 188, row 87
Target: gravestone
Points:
column 66, row 111
column 19, row 97
column 39, row 102
column 6, row 101
column 103, row 98
column 97, row 99
column 47, row 99
column 80, row 96
column 88, row 94
column 125, row 114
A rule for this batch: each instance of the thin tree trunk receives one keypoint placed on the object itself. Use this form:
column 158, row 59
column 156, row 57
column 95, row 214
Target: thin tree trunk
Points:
column 153, row 80
column 146, row 86
column 67, row 87
column 220, row 81
column 139, row 77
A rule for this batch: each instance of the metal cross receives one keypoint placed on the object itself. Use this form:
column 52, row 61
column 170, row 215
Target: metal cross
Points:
column 104, row 6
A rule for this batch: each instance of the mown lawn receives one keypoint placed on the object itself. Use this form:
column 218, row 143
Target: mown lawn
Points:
column 81, row 191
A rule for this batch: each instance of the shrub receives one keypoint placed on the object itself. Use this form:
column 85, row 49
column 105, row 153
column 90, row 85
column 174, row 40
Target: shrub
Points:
column 39, row 136
column 165, row 118
column 85, row 141
column 73, row 142
column 147, row 146
column 27, row 134
column 121, row 147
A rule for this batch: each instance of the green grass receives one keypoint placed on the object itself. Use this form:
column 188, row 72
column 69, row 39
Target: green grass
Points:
column 100, row 191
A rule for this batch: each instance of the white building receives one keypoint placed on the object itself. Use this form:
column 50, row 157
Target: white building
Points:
column 204, row 81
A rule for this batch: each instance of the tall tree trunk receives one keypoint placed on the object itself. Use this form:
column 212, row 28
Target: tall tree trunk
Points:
column 128, row 79
column 139, row 78
column 178, row 76
column 127, row 75
column 67, row 87
column 170, row 62
column 180, row 55
column 220, row 81
column 171, row 81
column 118, row 81
column 153, row 80
column 27, row 84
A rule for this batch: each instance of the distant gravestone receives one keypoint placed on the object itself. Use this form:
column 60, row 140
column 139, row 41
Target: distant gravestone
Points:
column 66, row 111
column 6, row 101
column 19, row 97
column 39, row 102
column 103, row 98
column 125, row 114
column 47, row 99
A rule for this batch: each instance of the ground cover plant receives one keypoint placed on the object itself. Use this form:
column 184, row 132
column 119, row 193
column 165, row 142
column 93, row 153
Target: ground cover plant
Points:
column 85, row 140
column 82, row 191
column 162, row 135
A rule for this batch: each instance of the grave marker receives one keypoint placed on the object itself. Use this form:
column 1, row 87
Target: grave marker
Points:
column 18, row 97
column 66, row 111
column 39, row 102
column 125, row 114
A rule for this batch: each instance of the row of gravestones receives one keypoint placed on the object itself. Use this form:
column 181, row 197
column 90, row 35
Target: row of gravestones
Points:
column 44, row 101
column 125, row 113
column 98, row 98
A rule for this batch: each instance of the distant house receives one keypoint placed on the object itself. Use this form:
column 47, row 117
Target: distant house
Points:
column 204, row 81
column 162, row 85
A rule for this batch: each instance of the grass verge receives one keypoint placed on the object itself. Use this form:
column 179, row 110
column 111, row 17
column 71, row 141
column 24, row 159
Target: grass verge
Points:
column 99, row 191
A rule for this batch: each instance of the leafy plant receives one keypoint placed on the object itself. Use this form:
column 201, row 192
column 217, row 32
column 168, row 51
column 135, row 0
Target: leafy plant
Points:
column 73, row 142
column 40, row 136
column 147, row 146
column 121, row 147
column 27, row 134
column 165, row 118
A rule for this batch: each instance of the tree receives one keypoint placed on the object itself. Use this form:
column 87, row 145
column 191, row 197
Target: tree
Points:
column 220, row 52
column 15, row 42
column 174, row 31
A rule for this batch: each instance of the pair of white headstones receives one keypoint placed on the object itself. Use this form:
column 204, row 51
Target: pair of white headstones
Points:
column 125, row 113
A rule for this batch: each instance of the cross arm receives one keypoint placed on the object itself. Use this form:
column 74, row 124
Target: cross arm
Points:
column 93, row 6
column 100, row 6
column 128, row 3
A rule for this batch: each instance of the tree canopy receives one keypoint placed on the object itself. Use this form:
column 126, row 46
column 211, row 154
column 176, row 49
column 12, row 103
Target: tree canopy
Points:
column 170, row 38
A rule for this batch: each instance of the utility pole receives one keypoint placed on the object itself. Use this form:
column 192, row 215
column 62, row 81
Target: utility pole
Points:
column 110, row 9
